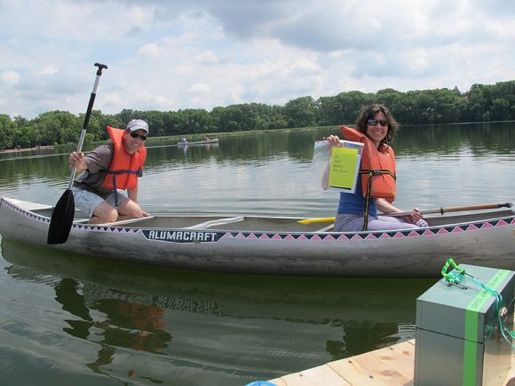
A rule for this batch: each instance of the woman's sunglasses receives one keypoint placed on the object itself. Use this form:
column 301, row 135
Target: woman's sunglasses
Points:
column 136, row 135
column 373, row 122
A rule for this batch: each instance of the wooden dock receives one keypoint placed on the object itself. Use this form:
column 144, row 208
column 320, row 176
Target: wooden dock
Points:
column 389, row 366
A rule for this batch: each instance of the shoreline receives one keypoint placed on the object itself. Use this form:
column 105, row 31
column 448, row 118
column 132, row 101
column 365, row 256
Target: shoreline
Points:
column 25, row 149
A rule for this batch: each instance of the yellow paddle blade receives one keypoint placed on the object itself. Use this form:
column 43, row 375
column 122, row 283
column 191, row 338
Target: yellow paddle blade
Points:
column 315, row 220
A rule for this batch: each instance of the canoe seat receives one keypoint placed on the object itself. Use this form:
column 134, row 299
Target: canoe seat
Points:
column 124, row 221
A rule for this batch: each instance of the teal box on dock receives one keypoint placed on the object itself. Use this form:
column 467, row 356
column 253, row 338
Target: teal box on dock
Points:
column 459, row 338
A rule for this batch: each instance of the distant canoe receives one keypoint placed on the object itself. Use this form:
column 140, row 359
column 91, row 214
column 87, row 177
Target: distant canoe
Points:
column 275, row 245
column 198, row 143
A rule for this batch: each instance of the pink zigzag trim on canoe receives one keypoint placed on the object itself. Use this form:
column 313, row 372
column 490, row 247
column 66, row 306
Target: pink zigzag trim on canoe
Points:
column 126, row 230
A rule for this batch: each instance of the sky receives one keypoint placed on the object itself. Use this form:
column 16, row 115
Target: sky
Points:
column 180, row 54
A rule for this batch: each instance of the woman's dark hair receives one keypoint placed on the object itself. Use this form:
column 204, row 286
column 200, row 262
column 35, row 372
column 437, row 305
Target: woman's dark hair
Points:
column 369, row 112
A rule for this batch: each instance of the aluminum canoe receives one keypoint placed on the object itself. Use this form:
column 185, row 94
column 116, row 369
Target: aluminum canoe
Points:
column 275, row 245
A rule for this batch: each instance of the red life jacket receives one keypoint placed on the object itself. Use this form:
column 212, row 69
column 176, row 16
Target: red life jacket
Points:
column 124, row 167
column 377, row 166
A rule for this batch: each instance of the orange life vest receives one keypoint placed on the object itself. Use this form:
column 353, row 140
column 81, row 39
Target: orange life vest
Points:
column 377, row 166
column 124, row 167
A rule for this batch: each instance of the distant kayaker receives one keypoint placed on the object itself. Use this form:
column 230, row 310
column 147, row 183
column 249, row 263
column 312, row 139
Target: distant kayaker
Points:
column 376, row 188
column 107, row 171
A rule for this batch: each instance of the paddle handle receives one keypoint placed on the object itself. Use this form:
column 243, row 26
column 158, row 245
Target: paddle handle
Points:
column 87, row 117
column 455, row 209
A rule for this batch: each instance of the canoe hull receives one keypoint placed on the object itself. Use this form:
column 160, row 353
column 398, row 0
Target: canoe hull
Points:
column 420, row 253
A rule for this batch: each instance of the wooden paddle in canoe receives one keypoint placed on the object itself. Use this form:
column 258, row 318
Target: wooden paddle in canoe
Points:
column 424, row 212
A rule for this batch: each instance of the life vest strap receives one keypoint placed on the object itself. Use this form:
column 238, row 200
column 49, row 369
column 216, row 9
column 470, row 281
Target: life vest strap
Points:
column 114, row 173
column 372, row 173
column 377, row 172
column 117, row 172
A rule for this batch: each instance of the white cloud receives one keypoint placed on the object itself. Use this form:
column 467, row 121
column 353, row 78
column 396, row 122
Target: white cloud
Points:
column 207, row 57
column 200, row 88
column 10, row 78
column 48, row 70
column 206, row 53
column 149, row 51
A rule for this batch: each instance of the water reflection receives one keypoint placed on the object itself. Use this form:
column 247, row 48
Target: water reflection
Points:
column 358, row 334
column 296, row 144
column 482, row 139
column 124, row 324
column 237, row 327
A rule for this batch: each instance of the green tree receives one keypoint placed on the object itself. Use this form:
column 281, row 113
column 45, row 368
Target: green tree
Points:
column 301, row 112
column 476, row 106
column 6, row 132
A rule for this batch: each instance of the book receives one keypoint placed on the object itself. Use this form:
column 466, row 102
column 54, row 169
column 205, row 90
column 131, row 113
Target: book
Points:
column 344, row 165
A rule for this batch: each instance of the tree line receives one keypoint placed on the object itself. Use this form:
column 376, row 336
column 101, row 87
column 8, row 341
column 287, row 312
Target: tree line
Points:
column 480, row 103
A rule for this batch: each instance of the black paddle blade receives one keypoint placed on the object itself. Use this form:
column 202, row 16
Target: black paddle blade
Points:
column 62, row 219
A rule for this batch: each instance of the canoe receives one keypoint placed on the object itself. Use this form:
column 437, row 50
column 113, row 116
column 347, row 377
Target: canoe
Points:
column 275, row 245
column 198, row 143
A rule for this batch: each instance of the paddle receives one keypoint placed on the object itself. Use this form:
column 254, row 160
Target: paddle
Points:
column 426, row 211
column 64, row 211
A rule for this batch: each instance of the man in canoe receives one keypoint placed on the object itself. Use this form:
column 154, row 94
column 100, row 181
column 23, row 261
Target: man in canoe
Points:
column 107, row 171
column 376, row 187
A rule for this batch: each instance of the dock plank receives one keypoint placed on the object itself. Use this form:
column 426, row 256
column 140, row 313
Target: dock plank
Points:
column 316, row 376
column 392, row 365
column 389, row 366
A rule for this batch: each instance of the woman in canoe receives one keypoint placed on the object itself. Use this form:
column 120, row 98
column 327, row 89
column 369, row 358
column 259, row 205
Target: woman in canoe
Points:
column 375, row 190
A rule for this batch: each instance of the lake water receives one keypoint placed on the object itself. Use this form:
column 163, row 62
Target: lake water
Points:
column 70, row 320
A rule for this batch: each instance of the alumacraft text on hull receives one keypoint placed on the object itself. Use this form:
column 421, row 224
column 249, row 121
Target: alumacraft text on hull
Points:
column 276, row 245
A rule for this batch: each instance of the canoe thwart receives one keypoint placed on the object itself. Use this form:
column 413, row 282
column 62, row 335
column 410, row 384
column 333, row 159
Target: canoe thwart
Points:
column 212, row 223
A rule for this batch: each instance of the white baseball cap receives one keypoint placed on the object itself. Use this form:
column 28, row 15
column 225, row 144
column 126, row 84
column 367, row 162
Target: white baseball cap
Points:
column 137, row 124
